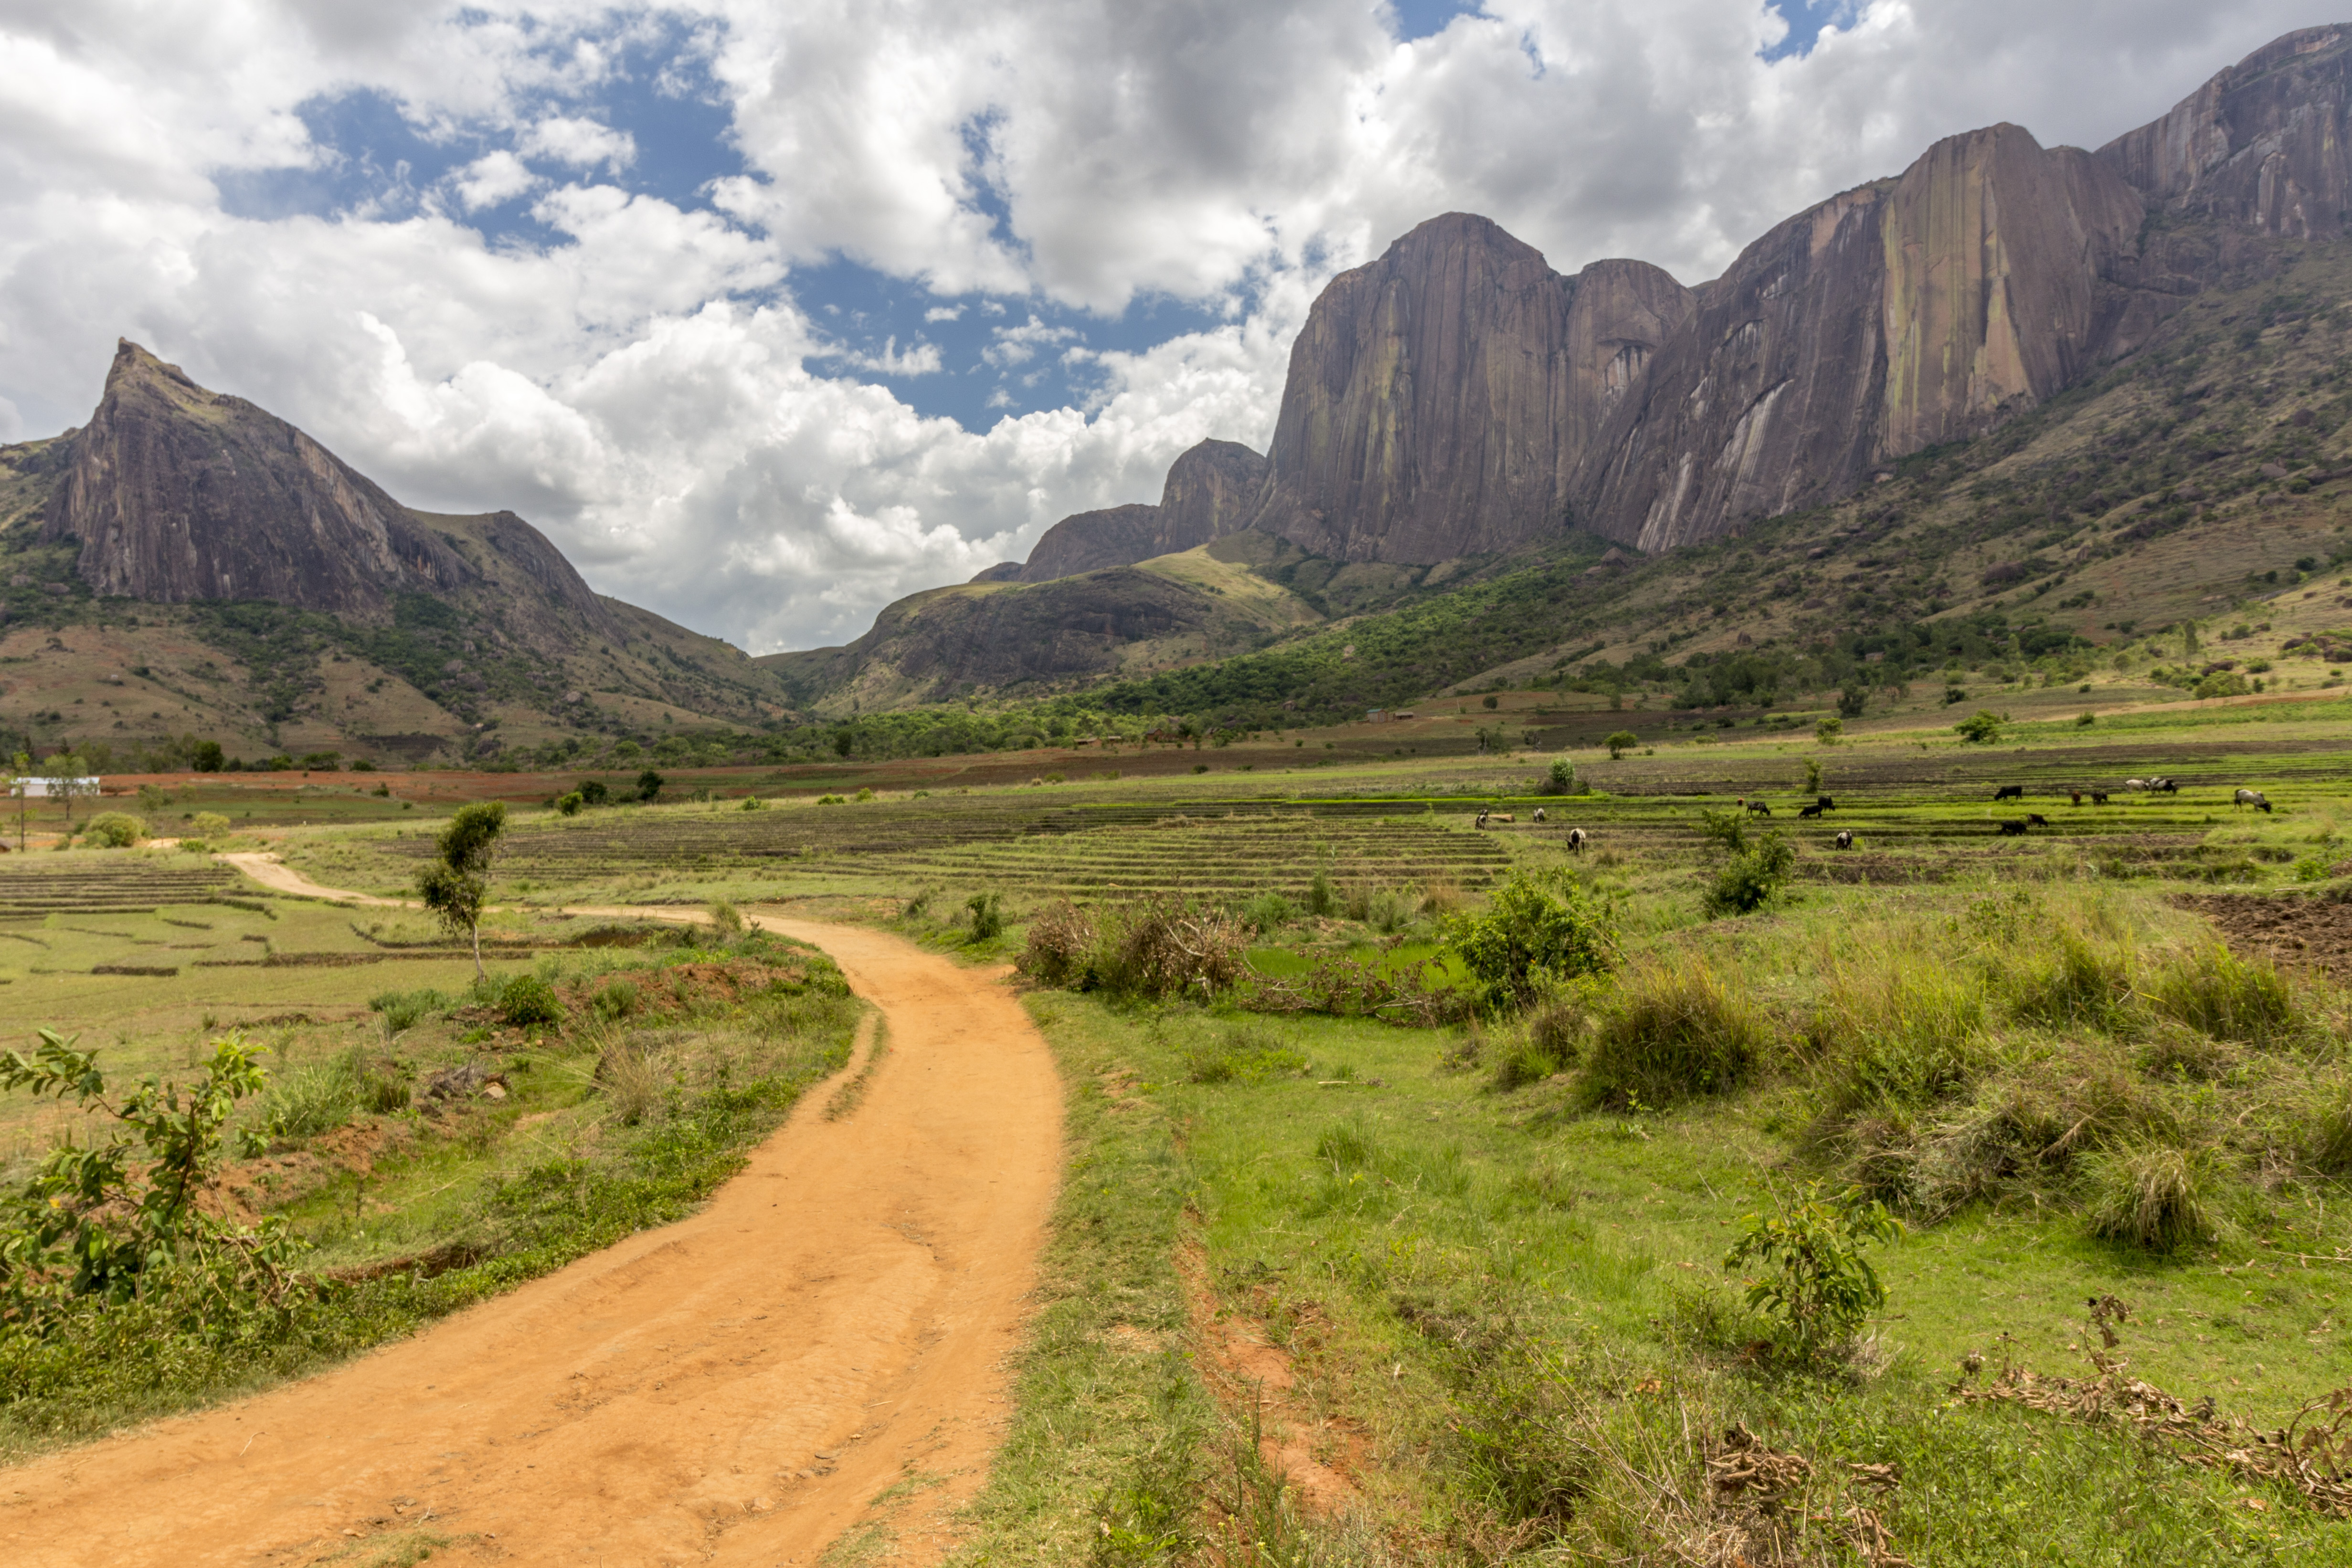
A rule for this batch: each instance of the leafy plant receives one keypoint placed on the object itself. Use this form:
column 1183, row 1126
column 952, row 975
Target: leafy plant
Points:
column 209, row 825
column 1747, row 880
column 101, row 1220
column 404, row 1009
column 456, row 884
column 1829, row 732
column 649, row 784
column 1528, row 940
column 114, row 830
column 1814, row 1277
column 1620, row 742
column 987, row 916
column 1981, row 728
column 1559, row 780
column 726, row 917
column 569, row 803
column 527, row 999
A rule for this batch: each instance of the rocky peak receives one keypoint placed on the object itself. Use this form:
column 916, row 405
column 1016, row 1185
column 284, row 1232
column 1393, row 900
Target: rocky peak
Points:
column 1211, row 489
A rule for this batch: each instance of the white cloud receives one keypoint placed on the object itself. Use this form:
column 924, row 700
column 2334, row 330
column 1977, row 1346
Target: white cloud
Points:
column 642, row 387
column 493, row 178
column 944, row 313
column 583, row 144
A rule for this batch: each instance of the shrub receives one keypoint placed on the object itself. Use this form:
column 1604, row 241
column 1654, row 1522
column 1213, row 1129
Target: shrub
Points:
column 649, row 784
column 753, row 803
column 1747, row 881
column 1266, row 913
column 209, row 825
column 2085, row 721
column 2224, row 683
column 1490, row 703
column 864, row 796
column 2066, row 981
column 1525, row 1062
column 1816, row 1279
column 1829, row 732
column 615, row 1000
column 1728, row 828
column 1981, row 728
column 1675, row 1027
column 404, row 1009
column 315, row 1098
column 1897, row 1033
column 1559, row 780
column 1322, row 893
column 569, row 803
column 592, row 791
column 1620, row 742
column 1060, row 946
column 525, row 1000
column 1528, row 939
column 726, row 917
column 114, row 830
column 1165, row 946
column 2231, row 998
column 2151, row 1194
column 987, row 916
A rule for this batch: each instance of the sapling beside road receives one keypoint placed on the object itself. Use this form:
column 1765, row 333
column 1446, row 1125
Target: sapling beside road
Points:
column 455, row 886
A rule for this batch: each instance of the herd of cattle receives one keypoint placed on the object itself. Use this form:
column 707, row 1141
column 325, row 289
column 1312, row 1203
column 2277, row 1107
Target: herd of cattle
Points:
column 2012, row 827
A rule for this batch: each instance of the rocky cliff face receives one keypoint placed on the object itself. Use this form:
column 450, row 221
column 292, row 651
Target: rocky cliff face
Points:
column 1210, row 491
column 1439, row 398
column 177, row 493
column 1889, row 318
column 2262, row 147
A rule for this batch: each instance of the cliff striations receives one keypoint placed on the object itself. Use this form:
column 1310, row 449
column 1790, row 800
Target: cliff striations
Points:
column 1439, row 398
column 1211, row 491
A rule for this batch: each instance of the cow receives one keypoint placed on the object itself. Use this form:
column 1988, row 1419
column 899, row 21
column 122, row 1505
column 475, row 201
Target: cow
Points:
column 2035, row 819
column 1540, row 816
column 1825, row 803
column 2074, row 795
column 2098, row 797
column 2009, row 792
column 2012, row 828
column 2135, row 784
column 1481, row 820
column 2164, row 786
column 1813, row 810
column 2252, row 797
column 1576, row 840
column 1759, row 808
column 1844, row 841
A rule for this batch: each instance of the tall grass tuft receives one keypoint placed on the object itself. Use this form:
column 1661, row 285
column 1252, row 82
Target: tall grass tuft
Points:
column 2152, row 1195
column 2067, row 983
column 2228, row 997
column 404, row 1009
column 1905, row 1030
column 1675, row 1028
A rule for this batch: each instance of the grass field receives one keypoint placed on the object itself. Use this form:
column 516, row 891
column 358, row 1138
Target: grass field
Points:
column 1465, row 1285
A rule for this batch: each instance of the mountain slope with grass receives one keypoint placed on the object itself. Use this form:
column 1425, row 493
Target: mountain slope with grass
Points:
column 187, row 565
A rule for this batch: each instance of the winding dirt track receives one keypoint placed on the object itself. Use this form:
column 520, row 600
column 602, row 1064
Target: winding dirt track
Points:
column 735, row 1388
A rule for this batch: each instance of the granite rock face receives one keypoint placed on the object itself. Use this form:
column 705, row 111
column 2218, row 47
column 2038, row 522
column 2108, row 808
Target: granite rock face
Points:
column 1439, row 397
column 177, row 493
column 1210, row 491
column 2262, row 147
column 1889, row 318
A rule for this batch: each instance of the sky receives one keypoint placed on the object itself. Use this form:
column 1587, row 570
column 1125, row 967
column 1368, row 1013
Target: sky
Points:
column 769, row 314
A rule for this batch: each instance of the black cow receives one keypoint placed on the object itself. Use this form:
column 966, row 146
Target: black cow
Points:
column 2012, row 828
column 2035, row 819
column 1759, row 808
column 2098, row 797
column 2009, row 792
column 2164, row 786
column 1809, row 811
column 1825, row 803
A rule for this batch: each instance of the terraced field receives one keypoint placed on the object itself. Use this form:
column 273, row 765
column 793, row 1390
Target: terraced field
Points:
column 136, row 885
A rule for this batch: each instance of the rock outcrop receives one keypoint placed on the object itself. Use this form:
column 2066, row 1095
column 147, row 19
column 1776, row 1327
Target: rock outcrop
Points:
column 2262, row 147
column 1440, row 398
column 177, row 493
column 1212, row 490
column 1889, row 318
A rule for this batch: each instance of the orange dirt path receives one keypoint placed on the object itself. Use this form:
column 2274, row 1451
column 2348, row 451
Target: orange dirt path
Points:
column 847, row 1306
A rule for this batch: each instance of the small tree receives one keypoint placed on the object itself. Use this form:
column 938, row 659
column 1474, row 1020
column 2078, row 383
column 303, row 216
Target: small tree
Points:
column 1527, row 940
column 1813, row 776
column 68, row 782
column 455, row 886
column 1620, row 742
column 1981, row 728
column 1560, row 779
column 1852, row 700
column 1829, row 732
column 649, row 784
column 1815, row 1278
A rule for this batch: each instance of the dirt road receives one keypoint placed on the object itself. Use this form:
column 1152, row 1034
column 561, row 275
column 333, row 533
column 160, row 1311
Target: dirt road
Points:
column 736, row 1388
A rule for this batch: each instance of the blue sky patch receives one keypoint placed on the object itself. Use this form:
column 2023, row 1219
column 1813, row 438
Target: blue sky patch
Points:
column 1806, row 18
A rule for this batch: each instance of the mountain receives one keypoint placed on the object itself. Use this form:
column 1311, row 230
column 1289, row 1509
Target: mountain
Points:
column 287, row 603
column 1211, row 489
column 1437, row 397
column 1010, row 639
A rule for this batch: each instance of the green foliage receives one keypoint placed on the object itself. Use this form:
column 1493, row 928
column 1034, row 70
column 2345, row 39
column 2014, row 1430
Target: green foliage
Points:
column 726, row 917
column 2085, row 721
column 2222, row 683
column 100, row 1219
column 1322, row 893
column 569, row 803
column 1747, row 880
column 1814, row 1277
column 1528, row 940
column 210, row 826
column 1829, row 732
column 404, row 1009
column 457, row 884
column 525, row 1000
column 1672, row 1028
column 114, row 830
column 987, row 916
column 1249, row 1053
column 1981, row 728
column 1728, row 828
column 592, row 791
column 617, row 1000
column 315, row 1098
column 649, row 784
column 2231, row 998
column 1558, row 779
column 1267, row 912
column 1620, row 742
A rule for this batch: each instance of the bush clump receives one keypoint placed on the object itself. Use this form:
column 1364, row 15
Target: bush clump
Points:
column 209, row 825
column 1675, row 1027
column 404, row 1009
column 525, row 1000
column 1160, row 946
column 2231, row 998
column 113, row 830
column 1528, row 940
column 1747, row 881
column 2151, row 1194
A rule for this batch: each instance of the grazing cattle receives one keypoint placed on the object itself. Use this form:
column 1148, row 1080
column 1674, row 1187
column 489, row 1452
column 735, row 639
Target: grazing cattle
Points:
column 1809, row 811
column 2075, row 796
column 2165, row 787
column 1759, row 808
column 2012, row 828
column 1480, row 821
column 2135, row 784
column 1825, row 803
column 2009, row 792
column 1576, row 839
column 2098, row 797
column 2035, row 819
column 1844, row 841
column 1540, row 816
column 2252, row 797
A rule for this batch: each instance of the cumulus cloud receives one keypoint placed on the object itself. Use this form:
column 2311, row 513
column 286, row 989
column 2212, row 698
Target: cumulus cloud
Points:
column 638, row 375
